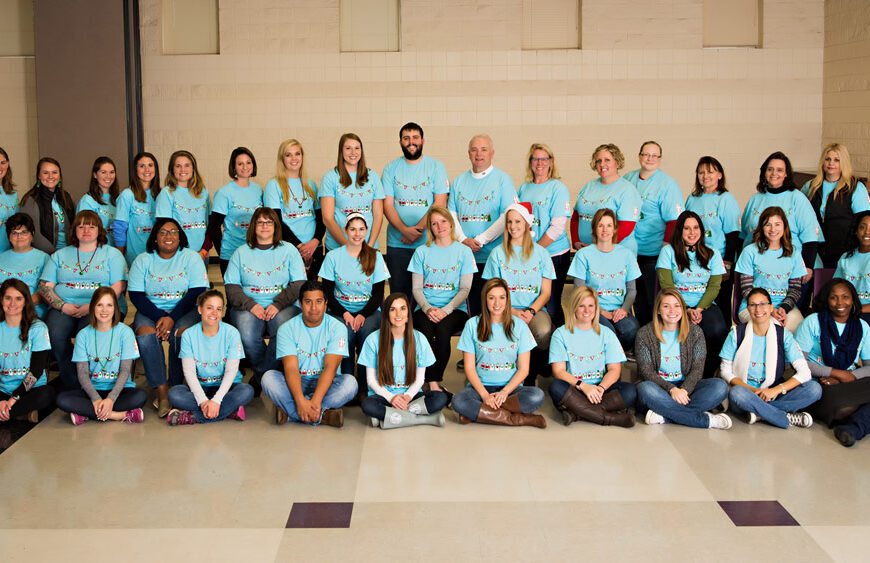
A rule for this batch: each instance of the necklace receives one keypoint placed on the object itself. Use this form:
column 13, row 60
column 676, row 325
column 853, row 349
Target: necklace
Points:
column 79, row 262
column 104, row 363
column 293, row 195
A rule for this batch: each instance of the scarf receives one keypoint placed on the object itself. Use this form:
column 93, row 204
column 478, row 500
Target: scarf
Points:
column 47, row 222
column 847, row 343
column 744, row 354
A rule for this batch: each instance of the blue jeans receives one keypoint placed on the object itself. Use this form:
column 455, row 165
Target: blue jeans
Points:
column 375, row 406
column 397, row 260
column 62, row 329
column 707, row 394
column 743, row 400
column 355, row 342
column 151, row 350
column 239, row 395
column 627, row 391
column 342, row 390
column 252, row 329
column 467, row 402
column 626, row 330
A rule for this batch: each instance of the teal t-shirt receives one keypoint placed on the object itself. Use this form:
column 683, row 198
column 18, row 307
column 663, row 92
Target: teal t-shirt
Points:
column 353, row 288
column 720, row 215
column 549, row 200
column 691, row 282
column 165, row 282
column 77, row 275
column 310, row 345
column 479, row 202
column 442, row 268
column 524, row 277
column 607, row 273
column 27, row 267
column 496, row 359
column 621, row 196
column 585, row 353
column 802, row 221
column 297, row 213
column 757, row 363
column 661, row 202
column 860, row 196
column 424, row 357
column 856, row 270
column 8, row 207
column 60, row 219
column 190, row 212
column 15, row 356
column 671, row 367
column 263, row 274
column 809, row 337
column 237, row 204
column 106, row 211
column 770, row 270
column 104, row 351
column 351, row 199
column 212, row 352
column 139, row 216
column 413, row 188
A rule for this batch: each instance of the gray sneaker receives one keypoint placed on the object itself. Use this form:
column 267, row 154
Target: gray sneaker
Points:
column 800, row 419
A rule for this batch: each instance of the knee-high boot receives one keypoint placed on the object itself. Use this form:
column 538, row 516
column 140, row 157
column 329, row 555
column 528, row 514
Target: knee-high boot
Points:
column 577, row 403
column 505, row 417
column 612, row 401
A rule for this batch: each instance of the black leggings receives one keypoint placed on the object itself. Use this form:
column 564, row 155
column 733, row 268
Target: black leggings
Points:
column 375, row 406
column 36, row 399
column 439, row 335
column 78, row 401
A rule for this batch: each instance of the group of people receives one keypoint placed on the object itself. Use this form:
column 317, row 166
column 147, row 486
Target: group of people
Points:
column 656, row 277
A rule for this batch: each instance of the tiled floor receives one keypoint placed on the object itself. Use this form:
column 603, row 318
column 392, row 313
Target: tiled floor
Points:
column 254, row 491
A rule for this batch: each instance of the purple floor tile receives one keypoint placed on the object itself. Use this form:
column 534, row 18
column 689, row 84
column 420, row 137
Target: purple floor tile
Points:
column 320, row 515
column 757, row 513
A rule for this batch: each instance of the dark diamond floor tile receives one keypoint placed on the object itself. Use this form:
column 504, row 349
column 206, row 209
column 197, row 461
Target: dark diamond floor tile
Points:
column 757, row 513
column 320, row 515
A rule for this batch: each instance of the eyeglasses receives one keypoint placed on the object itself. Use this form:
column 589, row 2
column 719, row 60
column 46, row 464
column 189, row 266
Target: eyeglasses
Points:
column 167, row 232
column 265, row 222
column 20, row 233
column 758, row 305
column 649, row 155
column 544, row 159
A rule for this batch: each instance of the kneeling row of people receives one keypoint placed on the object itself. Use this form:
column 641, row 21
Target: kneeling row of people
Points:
column 585, row 356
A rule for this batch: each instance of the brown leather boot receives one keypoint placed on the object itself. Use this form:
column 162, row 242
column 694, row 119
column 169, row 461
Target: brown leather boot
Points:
column 624, row 419
column 512, row 404
column 504, row 417
column 576, row 403
column 612, row 401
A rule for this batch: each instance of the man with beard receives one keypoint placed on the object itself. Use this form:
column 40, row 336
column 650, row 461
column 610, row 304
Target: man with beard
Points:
column 412, row 184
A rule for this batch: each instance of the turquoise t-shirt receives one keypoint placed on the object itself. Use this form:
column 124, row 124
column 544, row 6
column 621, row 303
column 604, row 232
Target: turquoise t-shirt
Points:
column 496, row 359
column 479, row 202
column 720, row 215
column 27, row 267
column 809, row 338
column 353, row 288
column 524, row 277
column 671, row 367
column 662, row 201
column 856, row 269
column 770, row 270
column 139, row 216
column 585, row 353
column 190, row 212
column 15, row 356
column 860, row 197
column 549, row 200
column 104, row 351
column 237, row 204
column 297, row 213
column 798, row 210
column 8, row 207
column 352, row 199
column 212, row 352
column 413, row 188
column 263, row 274
column 621, row 196
column 607, row 273
column 165, row 282
column 756, row 376
column 106, row 211
column 692, row 282
column 442, row 269
column 424, row 357
column 78, row 274
column 310, row 345
column 60, row 219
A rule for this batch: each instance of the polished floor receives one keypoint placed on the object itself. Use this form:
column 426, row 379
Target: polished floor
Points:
column 253, row 491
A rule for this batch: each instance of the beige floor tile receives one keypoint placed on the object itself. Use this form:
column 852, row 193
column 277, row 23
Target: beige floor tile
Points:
column 843, row 543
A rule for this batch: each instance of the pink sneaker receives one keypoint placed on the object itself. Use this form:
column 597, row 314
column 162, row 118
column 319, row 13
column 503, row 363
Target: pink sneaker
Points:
column 134, row 416
column 178, row 417
column 238, row 415
column 77, row 419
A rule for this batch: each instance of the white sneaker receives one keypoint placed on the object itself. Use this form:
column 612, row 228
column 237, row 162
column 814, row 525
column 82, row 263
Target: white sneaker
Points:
column 721, row 421
column 751, row 418
column 652, row 417
column 800, row 419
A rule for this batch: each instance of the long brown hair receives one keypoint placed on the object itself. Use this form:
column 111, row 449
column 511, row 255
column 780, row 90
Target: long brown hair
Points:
column 385, row 344
column 136, row 184
column 758, row 234
column 367, row 255
column 362, row 173
column 95, row 298
column 281, row 172
column 702, row 252
column 713, row 164
column 484, row 325
column 196, row 184
column 94, row 189
column 28, row 315
column 528, row 246
column 8, row 184
column 683, row 333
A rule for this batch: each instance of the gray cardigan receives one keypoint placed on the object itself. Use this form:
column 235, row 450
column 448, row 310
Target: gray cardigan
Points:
column 693, row 352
